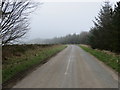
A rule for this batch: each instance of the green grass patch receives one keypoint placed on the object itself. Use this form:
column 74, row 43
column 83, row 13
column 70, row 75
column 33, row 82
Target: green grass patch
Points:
column 109, row 59
column 30, row 57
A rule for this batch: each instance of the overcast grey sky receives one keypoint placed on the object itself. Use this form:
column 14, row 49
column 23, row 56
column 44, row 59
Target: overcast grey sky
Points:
column 55, row 19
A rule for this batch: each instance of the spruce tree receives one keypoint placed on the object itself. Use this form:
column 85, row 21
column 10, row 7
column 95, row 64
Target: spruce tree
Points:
column 100, row 34
column 116, row 28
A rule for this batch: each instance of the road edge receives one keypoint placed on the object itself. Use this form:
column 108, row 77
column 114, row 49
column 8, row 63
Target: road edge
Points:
column 19, row 76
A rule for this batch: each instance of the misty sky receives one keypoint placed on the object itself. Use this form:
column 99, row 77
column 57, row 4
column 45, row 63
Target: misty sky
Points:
column 55, row 19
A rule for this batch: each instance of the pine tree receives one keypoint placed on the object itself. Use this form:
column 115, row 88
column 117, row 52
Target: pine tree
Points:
column 100, row 34
column 116, row 28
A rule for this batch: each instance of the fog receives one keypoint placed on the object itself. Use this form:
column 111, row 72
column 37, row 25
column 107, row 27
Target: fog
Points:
column 56, row 19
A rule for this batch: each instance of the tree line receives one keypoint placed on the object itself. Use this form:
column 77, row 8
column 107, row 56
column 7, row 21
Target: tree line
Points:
column 106, row 31
column 70, row 39
column 104, row 35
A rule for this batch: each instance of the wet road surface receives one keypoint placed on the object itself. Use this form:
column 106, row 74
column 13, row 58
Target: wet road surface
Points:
column 71, row 68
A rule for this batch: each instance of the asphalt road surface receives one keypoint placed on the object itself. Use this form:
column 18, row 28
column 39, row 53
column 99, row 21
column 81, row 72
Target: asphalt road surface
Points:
column 71, row 68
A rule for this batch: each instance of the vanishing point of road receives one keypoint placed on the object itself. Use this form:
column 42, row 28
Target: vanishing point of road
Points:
column 71, row 68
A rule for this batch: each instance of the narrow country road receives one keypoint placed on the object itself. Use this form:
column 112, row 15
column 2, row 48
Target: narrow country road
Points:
column 71, row 68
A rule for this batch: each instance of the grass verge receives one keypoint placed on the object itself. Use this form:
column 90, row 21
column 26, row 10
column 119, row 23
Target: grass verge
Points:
column 24, row 59
column 109, row 59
